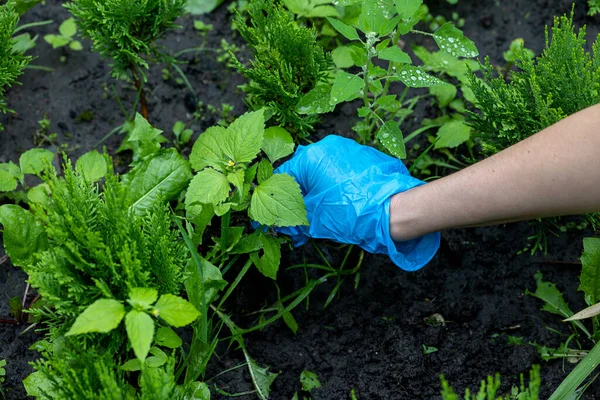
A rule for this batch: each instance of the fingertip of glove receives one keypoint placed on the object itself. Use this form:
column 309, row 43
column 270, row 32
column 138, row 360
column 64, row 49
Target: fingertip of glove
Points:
column 413, row 255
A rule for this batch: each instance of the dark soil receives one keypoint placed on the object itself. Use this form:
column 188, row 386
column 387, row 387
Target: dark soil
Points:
column 369, row 339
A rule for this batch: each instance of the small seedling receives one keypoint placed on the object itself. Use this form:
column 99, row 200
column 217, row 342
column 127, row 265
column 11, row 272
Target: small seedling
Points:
column 66, row 36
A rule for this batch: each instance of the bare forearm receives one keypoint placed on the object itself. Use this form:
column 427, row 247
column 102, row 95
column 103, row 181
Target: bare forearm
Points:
column 555, row 172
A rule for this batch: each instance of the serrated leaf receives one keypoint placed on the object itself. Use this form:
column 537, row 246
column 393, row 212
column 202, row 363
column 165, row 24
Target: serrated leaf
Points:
column 374, row 15
column 268, row 263
column 207, row 149
column 407, row 8
column 265, row 171
column 244, row 137
column 68, row 28
column 92, row 166
column 176, row 311
column 262, row 378
column 102, row 316
column 346, row 87
column 236, row 178
column 8, row 182
column 590, row 270
column 391, row 137
column 209, row 274
column 35, row 160
column 452, row 134
column 451, row 40
column 416, row 77
column 346, row 30
column 207, row 187
column 140, row 331
column 394, row 54
column 247, row 244
column 142, row 131
column 551, row 296
column 163, row 176
column 167, row 337
column 444, row 93
column 143, row 296
column 23, row 235
column 277, row 143
column 316, row 101
column 309, row 381
column 278, row 202
column 38, row 385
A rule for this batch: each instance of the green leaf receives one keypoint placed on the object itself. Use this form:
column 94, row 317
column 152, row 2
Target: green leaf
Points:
column 167, row 337
column 322, row 12
column 248, row 244
column 176, row 311
column 207, row 151
column 261, row 377
column 265, row 171
column 309, row 381
column 452, row 134
column 23, row 235
column 35, row 161
column 236, row 178
column 407, row 8
column 144, row 297
column 158, row 358
column 23, row 42
column 346, row 87
column 131, row 365
column 268, row 263
column 290, row 321
column 37, row 385
column 416, row 77
column 341, row 57
column 92, row 166
column 140, row 331
column 551, row 296
column 208, row 187
column 196, row 391
column 316, row 101
column 277, row 143
column 142, row 130
column 212, row 278
column 163, row 176
column 590, row 270
column 197, row 7
column 374, row 15
column 451, row 40
column 278, row 202
column 244, row 137
column 68, row 28
column 444, row 93
column 56, row 41
column 39, row 194
column 102, row 316
column 8, row 182
column 391, row 137
column 394, row 54
column 407, row 24
column 346, row 30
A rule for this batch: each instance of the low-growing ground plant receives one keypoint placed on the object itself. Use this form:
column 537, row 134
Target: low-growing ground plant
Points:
column 65, row 37
column 12, row 61
column 126, row 32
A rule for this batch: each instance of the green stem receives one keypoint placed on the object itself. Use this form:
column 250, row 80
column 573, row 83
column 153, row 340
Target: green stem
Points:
column 419, row 131
column 386, row 87
column 585, row 367
column 32, row 25
column 421, row 32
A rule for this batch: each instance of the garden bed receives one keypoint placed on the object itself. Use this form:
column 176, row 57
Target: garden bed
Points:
column 372, row 338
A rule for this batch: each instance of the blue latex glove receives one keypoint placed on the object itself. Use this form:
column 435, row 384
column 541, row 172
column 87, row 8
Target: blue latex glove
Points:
column 347, row 189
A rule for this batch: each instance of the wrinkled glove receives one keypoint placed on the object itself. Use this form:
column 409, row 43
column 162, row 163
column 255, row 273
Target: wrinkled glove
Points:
column 347, row 189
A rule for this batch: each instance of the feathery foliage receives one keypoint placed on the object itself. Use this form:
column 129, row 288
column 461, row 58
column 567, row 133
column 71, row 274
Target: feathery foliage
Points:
column 287, row 63
column 12, row 61
column 563, row 80
column 126, row 30
column 594, row 6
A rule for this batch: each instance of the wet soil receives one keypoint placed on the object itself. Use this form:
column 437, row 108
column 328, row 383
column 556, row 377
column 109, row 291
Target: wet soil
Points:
column 371, row 338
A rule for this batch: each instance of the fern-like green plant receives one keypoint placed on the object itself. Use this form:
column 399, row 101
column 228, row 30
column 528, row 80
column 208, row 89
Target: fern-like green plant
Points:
column 126, row 32
column 563, row 80
column 287, row 63
column 594, row 7
column 12, row 62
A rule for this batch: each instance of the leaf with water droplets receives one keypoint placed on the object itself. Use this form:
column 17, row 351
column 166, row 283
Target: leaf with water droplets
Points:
column 316, row 101
column 346, row 87
column 451, row 40
column 391, row 138
column 416, row 77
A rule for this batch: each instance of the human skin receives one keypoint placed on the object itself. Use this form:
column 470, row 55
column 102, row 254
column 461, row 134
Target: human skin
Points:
column 552, row 173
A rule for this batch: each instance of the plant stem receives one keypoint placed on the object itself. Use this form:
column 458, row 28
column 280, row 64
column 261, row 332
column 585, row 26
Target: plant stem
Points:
column 138, row 85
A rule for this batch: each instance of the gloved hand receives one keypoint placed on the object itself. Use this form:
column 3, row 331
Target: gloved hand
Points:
column 347, row 189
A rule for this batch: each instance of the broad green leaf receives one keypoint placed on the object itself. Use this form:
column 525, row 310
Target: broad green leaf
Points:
column 391, row 137
column 207, row 151
column 551, row 296
column 131, row 365
column 76, row 45
column 142, row 130
column 200, row 215
column 207, row 187
column 102, row 316
column 23, row 42
column 236, row 178
column 408, row 24
column 451, row 40
column 278, row 202
column 140, row 331
column 248, row 244
column 444, row 93
column 207, row 273
column 144, row 297
column 23, row 235
column 277, row 143
column 374, row 15
column 290, row 321
column 346, row 87
column 416, row 77
column 244, row 137
column 316, row 101
column 158, row 358
column 163, row 176
column 268, row 263
column 309, row 381
column 13, row 170
column 92, row 166
column 569, row 386
column 229, row 237
column 8, row 182
column 346, row 30
column 407, row 8
column 176, row 311
column 196, row 391
column 262, row 378
column 590, row 270
column 197, row 7
column 394, row 54
column 35, row 160
column 452, row 134
column 167, row 337
column 68, row 28
column 37, row 385
column 341, row 57
column 56, row 41
column 265, row 171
